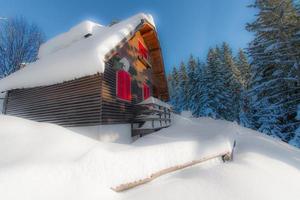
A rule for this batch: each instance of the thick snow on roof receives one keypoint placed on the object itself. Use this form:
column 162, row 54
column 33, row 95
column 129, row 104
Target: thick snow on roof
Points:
column 66, row 39
column 71, row 55
column 44, row 161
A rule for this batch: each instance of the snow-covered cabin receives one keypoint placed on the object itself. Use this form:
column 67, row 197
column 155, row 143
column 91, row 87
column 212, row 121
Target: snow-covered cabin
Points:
column 92, row 77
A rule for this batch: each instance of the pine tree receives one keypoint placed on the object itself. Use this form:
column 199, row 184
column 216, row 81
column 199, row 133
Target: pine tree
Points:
column 213, row 102
column 245, row 117
column 231, row 77
column 242, row 64
column 174, row 93
column 183, row 88
column 199, row 92
column 191, row 72
column 296, row 139
column 170, row 86
column 274, row 87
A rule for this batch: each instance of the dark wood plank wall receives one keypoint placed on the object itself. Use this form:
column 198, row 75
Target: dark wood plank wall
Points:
column 113, row 109
column 73, row 103
column 86, row 101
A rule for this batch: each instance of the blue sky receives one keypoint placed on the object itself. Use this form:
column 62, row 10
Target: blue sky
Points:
column 184, row 27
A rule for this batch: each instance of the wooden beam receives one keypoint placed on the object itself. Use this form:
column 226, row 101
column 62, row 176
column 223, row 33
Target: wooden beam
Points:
column 130, row 185
column 155, row 49
column 148, row 33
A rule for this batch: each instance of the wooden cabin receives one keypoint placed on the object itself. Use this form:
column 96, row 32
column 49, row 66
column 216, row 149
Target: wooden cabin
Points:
column 68, row 86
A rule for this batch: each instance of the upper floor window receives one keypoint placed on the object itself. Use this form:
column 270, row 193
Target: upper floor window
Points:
column 123, row 85
column 143, row 50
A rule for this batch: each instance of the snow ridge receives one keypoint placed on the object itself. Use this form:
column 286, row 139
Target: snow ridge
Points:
column 45, row 161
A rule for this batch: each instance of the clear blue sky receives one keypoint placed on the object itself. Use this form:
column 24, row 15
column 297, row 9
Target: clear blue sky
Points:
column 184, row 27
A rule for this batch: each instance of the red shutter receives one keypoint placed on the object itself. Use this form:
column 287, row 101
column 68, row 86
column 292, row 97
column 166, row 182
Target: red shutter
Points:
column 143, row 51
column 123, row 85
column 146, row 91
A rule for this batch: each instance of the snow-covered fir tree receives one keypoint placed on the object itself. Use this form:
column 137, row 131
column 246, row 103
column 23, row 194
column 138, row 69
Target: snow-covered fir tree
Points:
column 174, row 89
column 207, row 79
column 243, row 65
column 231, row 86
column 215, row 100
column 296, row 139
column 183, row 91
column 274, row 88
column 210, row 89
column 199, row 92
column 192, row 66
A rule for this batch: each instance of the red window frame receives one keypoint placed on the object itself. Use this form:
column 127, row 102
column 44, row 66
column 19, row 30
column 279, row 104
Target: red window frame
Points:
column 123, row 85
column 143, row 50
column 146, row 91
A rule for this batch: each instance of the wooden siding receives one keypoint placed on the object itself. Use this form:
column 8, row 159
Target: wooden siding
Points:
column 73, row 103
column 113, row 109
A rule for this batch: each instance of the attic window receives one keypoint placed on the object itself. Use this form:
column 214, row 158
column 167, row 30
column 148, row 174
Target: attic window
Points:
column 143, row 54
column 87, row 35
column 142, row 50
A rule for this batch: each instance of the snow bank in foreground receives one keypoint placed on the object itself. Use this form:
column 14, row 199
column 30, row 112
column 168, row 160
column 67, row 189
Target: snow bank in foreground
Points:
column 43, row 161
column 35, row 142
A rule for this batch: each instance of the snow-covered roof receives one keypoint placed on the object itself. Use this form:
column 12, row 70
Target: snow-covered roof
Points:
column 70, row 55
column 66, row 39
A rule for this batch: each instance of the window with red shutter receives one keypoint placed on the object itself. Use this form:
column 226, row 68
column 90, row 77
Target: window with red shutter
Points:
column 146, row 91
column 142, row 50
column 123, row 85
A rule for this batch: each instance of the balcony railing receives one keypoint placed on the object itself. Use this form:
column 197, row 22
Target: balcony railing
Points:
column 152, row 116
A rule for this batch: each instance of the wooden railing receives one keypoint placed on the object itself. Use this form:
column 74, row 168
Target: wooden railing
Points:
column 151, row 116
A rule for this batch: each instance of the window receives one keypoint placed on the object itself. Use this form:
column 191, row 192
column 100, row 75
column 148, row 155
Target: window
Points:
column 146, row 91
column 142, row 50
column 123, row 85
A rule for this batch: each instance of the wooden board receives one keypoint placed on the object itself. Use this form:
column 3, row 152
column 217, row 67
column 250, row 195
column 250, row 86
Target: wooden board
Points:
column 73, row 103
column 127, row 186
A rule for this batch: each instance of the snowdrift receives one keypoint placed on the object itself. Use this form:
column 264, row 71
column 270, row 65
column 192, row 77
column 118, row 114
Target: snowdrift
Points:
column 119, row 167
column 44, row 161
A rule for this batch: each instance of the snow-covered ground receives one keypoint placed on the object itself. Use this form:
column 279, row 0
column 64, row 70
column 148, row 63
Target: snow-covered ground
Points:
column 44, row 161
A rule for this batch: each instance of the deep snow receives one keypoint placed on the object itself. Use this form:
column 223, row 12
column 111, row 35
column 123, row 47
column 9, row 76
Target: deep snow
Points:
column 44, row 161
